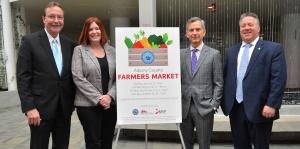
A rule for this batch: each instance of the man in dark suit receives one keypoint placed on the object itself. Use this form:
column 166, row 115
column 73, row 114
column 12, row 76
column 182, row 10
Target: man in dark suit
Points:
column 254, row 82
column 201, row 85
column 45, row 83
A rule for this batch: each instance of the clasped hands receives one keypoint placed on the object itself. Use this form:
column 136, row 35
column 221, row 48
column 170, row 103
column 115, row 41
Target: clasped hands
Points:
column 105, row 101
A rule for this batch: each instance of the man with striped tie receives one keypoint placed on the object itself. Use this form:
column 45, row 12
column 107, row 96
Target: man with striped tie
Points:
column 201, row 85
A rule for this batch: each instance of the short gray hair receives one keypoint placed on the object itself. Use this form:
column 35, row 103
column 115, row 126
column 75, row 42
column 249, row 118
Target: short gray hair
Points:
column 250, row 14
column 194, row 19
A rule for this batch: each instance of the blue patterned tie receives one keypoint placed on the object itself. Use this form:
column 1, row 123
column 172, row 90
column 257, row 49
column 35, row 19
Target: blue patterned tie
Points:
column 194, row 60
column 57, row 55
column 242, row 70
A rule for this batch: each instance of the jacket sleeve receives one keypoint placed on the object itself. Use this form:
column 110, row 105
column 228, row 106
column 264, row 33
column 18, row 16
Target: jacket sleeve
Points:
column 278, row 78
column 81, row 82
column 112, row 90
column 217, row 80
column 24, row 76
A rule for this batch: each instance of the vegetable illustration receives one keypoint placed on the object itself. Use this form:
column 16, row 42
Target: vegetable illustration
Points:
column 128, row 42
column 163, row 46
column 153, row 41
column 145, row 43
column 137, row 44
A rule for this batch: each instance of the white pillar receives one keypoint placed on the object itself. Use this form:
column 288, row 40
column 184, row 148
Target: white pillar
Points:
column 117, row 22
column 147, row 13
column 9, row 48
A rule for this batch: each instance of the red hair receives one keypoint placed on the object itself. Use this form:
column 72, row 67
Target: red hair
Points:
column 84, row 35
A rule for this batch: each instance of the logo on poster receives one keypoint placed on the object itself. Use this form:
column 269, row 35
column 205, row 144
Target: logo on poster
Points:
column 135, row 111
column 147, row 57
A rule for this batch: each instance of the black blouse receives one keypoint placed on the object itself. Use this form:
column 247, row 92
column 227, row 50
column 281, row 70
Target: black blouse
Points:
column 104, row 73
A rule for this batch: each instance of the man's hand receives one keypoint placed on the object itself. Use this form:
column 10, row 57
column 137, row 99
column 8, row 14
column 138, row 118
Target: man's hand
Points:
column 268, row 112
column 33, row 117
column 105, row 101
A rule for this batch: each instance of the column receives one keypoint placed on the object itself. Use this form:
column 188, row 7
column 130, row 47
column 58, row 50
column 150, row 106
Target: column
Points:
column 8, row 45
column 147, row 13
column 117, row 22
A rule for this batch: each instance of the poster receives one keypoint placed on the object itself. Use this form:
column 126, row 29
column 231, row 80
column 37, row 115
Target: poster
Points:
column 148, row 75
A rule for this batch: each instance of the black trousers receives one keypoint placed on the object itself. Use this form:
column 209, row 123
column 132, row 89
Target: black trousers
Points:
column 246, row 133
column 98, row 126
column 59, row 128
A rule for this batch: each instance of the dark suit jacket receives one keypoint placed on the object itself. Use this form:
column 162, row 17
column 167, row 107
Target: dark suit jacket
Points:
column 39, row 83
column 264, row 80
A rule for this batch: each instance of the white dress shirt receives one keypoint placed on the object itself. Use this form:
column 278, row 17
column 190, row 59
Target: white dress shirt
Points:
column 253, row 43
column 50, row 38
column 199, row 50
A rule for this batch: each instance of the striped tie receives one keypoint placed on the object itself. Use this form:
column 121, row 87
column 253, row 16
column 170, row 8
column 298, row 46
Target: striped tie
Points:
column 194, row 60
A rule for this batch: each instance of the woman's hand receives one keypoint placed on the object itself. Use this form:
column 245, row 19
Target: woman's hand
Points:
column 105, row 101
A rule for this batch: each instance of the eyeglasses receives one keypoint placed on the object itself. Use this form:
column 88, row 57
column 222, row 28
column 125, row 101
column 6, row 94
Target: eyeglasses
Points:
column 52, row 17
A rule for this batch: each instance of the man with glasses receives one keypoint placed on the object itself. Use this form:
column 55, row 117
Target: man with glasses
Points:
column 45, row 83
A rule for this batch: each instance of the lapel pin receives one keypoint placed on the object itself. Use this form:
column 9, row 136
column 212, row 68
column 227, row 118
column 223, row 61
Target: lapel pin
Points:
column 259, row 48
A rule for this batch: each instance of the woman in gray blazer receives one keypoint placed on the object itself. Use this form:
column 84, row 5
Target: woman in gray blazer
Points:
column 93, row 70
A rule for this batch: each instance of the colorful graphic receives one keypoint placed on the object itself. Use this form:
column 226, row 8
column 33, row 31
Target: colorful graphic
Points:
column 153, row 41
column 148, row 51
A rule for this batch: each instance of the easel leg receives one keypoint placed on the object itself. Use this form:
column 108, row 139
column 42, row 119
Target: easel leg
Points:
column 180, row 135
column 146, row 136
column 117, row 137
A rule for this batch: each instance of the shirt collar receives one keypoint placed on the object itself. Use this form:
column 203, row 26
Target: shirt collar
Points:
column 199, row 47
column 50, row 38
column 253, row 43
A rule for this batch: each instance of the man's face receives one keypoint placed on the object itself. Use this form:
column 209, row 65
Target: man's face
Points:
column 195, row 33
column 54, row 20
column 249, row 29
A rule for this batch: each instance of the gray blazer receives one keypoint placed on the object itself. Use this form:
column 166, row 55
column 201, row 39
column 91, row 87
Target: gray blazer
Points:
column 206, row 86
column 86, row 73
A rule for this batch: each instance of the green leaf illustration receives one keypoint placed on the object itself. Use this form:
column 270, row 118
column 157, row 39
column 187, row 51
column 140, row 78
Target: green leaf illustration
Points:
column 169, row 42
column 142, row 33
column 165, row 37
column 136, row 37
column 128, row 42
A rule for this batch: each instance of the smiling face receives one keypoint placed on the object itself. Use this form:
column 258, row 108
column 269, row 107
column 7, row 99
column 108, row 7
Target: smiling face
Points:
column 94, row 33
column 195, row 33
column 53, row 20
column 249, row 29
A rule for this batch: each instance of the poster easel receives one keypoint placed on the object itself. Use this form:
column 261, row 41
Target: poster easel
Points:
column 146, row 136
column 148, row 80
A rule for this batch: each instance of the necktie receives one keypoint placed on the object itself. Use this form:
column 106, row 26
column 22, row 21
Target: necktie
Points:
column 57, row 55
column 242, row 70
column 194, row 60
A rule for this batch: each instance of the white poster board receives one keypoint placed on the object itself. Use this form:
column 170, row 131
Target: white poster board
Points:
column 148, row 75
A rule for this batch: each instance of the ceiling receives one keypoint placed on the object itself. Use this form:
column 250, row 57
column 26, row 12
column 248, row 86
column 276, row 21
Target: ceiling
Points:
column 169, row 12
column 76, row 11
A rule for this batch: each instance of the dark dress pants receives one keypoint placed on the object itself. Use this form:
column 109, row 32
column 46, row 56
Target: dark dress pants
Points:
column 246, row 133
column 59, row 128
column 98, row 126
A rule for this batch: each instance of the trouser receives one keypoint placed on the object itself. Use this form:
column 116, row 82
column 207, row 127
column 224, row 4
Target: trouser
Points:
column 98, row 126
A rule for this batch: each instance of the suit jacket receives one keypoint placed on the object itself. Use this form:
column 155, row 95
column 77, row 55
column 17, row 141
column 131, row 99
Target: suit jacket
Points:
column 86, row 72
column 39, row 84
column 264, row 80
column 205, row 87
